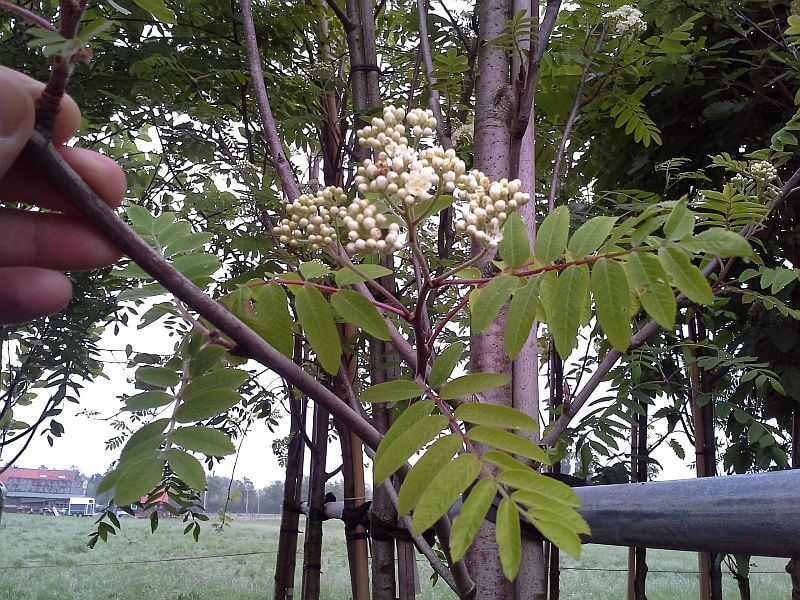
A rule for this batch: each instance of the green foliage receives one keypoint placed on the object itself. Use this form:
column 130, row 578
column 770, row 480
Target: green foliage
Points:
column 474, row 383
column 551, row 237
column 356, row 309
column 425, row 470
column 515, row 247
column 444, row 364
column 508, row 536
column 391, row 391
column 521, row 315
column 316, row 317
column 496, row 416
column 466, row 524
column 456, row 476
column 486, row 302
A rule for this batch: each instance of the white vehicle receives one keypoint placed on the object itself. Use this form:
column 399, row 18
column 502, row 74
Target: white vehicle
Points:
column 80, row 506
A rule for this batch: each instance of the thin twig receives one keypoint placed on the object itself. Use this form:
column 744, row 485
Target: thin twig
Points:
column 27, row 15
column 573, row 116
column 282, row 166
column 249, row 343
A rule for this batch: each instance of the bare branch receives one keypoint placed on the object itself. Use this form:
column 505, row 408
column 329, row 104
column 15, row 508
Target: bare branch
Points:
column 282, row 165
column 248, row 342
column 573, row 116
column 340, row 14
column 27, row 15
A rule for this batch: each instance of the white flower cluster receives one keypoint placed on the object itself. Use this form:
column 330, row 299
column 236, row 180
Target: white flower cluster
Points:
column 404, row 176
column 363, row 223
column 763, row 171
column 399, row 170
column 490, row 203
column 310, row 218
column 627, row 20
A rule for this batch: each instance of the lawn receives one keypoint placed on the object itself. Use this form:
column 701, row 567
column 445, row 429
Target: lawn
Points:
column 43, row 558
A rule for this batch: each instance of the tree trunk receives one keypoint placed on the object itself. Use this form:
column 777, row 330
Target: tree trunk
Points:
column 355, row 495
column 637, row 556
column 383, row 575
column 312, row 550
column 492, row 156
column 286, row 558
column 705, row 451
column 793, row 567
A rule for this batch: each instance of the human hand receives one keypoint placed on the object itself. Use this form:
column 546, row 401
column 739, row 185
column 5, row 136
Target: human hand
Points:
column 36, row 246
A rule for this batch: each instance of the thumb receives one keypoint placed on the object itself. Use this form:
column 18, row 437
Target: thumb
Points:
column 16, row 120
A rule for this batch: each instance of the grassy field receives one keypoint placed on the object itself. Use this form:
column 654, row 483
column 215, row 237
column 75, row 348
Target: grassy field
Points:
column 44, row 558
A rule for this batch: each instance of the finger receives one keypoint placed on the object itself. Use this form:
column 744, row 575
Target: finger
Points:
column 24, row 182
column 68, row 120
column 16, row 122
column 29, row 292
column 52, row 241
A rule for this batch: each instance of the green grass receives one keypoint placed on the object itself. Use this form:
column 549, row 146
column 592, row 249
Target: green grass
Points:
column 33, row 541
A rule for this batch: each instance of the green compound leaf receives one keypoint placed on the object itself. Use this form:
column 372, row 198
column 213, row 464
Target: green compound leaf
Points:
column 505, row 461
column 485, row 305
column 456, row 477
column 509, row 540
column 528, row 480
column 356, row 309
column 206, row 359
column 314, row 269
column 147, row 400
column 137, row 478
column 590, row 236
column 559, row 513
column 445, row 363
column 650, row 284
column 474, row 383
column 508, row 442
column 392, row 391
column 158, row 9
column 571, row 293
column 316, row 317
column 203, row 439
column 473, row 511
column 563, row 537
column 551, row 237
column 496, row 416
column 407, row 444
column 719, row 242
column 521, row 315
column 347, row 277
column 187, row 467
column 680, row 222
column 221, row 379
column 190, row 242
column 515, row 247
column 149, row 437
column 158, row 376
column 612, row 300
column 686, row 277
column 425, row 471
column 272, row 320
column 408, row 417
column 206, row 405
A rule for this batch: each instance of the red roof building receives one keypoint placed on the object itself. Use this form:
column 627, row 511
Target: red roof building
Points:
column 43, row 481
